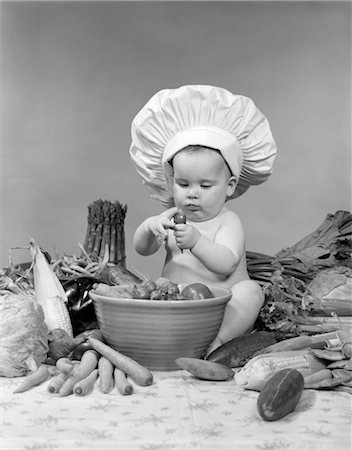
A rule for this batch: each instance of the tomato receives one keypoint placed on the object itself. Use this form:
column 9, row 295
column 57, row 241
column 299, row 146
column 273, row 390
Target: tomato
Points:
column 197, row 291
column 179, row 217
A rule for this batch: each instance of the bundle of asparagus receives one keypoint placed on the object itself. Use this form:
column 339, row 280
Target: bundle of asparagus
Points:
column 105, row 231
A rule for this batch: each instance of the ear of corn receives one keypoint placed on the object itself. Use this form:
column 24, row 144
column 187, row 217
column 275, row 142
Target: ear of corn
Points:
column 49, row 292
column 259, row 369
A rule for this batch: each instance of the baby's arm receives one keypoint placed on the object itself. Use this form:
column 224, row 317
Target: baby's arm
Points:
column 221, row 255
column 151, row 233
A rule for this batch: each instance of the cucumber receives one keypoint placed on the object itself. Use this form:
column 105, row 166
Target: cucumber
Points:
column 205, row 370
column 280, row 394
column 239, row 350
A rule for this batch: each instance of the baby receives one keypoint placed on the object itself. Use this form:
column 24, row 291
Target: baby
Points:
column 213, row 236
column 196, row 147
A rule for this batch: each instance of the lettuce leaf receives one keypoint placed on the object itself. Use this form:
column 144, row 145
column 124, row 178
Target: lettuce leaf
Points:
column 23, row 334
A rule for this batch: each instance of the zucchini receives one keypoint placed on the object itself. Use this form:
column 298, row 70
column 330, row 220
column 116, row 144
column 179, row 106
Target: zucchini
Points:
column 280, row 394
column 205, row 370
column 239, row 350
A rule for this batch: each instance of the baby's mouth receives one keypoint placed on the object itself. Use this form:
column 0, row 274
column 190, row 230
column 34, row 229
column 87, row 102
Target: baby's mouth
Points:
column 192, row 206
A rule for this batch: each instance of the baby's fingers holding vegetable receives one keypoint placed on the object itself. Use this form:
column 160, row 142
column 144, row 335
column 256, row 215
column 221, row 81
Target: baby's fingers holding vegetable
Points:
column 186, row 236
column 158, row 225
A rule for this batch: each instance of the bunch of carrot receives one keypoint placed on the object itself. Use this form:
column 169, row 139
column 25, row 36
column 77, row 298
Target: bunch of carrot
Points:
column 101, row 362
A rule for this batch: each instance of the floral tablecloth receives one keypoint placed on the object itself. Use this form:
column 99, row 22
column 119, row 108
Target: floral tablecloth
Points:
column 177, row 412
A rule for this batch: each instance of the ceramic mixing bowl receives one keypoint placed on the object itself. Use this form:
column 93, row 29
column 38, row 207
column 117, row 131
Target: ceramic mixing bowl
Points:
column 157, row 332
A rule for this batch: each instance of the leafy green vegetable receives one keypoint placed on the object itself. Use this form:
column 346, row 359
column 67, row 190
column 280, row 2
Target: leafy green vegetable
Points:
column 284, row 305
column 312, row 276
column 23, row 334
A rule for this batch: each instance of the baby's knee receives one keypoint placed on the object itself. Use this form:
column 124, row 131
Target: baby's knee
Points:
column 257, row 293
column 250, row 291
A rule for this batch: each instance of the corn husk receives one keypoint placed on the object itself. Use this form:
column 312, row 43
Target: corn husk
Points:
column 260, row 368
column 49, row 292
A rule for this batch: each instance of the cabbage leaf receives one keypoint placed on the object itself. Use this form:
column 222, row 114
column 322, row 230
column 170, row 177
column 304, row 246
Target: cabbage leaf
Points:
column 23, row 334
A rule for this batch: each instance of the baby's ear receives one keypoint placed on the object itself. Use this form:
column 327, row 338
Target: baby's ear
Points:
column 231, row 186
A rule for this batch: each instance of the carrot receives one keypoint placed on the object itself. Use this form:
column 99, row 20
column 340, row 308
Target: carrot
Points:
column 106, row 371
column 56, row 382
column 33, row 379
column 121, row 382
column 140, row 374
column 65, row 365
column 88, row 363
column 86, row 385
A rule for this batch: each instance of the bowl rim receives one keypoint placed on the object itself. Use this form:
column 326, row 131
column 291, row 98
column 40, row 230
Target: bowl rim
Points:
column 222, row 298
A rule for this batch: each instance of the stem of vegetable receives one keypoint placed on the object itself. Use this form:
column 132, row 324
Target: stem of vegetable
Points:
column 91, row 238
column 112, row 257
column 97, row 240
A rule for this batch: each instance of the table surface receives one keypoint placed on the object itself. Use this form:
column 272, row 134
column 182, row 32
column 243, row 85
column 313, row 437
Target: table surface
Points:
column 177, row 412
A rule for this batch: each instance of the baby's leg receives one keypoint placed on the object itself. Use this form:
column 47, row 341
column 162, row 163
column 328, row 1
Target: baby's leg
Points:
column 241, row 312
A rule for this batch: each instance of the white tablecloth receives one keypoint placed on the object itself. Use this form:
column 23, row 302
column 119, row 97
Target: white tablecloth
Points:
column 177, row 412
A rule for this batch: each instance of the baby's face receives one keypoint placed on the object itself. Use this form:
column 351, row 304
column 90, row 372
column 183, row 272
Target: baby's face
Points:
column 202, row 182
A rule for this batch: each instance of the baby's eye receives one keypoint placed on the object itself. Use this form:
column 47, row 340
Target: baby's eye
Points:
column 205, row 186
column 182, row 183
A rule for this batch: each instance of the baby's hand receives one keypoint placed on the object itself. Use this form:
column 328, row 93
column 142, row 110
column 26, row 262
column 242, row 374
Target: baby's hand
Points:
column 186, row 236
column 158, row 225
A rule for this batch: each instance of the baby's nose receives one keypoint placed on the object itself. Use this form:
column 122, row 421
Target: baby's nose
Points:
column 192, row 194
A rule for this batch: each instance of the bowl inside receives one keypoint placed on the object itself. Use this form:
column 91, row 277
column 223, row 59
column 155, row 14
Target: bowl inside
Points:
column 157, row 332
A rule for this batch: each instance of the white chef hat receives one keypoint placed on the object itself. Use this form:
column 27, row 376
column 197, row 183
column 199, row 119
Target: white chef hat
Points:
column 201, row 115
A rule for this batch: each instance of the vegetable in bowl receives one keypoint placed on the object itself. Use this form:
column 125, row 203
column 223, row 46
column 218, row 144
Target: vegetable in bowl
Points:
column 161, row 289
column 157, row 332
